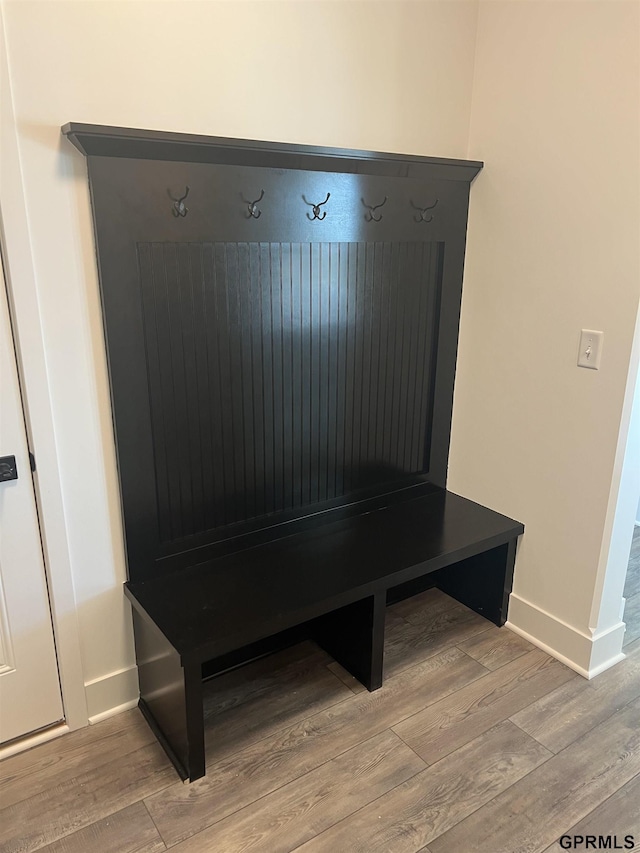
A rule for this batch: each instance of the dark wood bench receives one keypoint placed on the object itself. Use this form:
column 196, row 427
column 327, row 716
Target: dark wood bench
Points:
column 336, row 579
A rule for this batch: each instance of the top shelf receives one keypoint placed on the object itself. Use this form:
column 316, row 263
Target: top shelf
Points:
column 96, row 140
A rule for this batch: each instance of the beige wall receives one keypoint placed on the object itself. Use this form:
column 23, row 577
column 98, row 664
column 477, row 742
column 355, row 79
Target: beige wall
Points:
column 553, row 248
column 390, row 76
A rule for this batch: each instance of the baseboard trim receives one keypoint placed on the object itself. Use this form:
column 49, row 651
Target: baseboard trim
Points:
column 111, row 694
column 606, row 665
column 586, row 654
column 111, row 712
column 24, row 743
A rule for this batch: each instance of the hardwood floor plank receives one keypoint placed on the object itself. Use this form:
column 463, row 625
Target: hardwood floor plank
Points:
column 632, row 619
column 431, row 601
column 305, row 807
column 412, row 814
column 393, row 619
column 407, row 643
column 75, row 803
column 632, row 591
column 535, row 811
column 632, row 581
column 456, row 719
column 128, row 831
column 240, row 779
column 239, row 710
column 496, row 647
column 28, row 773
column 618, row 816
column 293, row 771
column 560, row 717
column 261, row 677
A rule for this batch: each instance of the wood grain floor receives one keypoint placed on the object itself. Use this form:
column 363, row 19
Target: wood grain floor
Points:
column 632, row 592
column 477, row 742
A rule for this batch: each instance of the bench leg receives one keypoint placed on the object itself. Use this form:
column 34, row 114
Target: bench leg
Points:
column 170, row 698
column 354, row 636
column 482, row 583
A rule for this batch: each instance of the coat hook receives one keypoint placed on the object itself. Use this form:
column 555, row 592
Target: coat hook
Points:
column 316, row 207
column 422, row 212
column 179, row 207
column 369, row 215
column 253, row 212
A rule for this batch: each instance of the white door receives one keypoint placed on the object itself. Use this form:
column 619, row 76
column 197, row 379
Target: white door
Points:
column 29, row 686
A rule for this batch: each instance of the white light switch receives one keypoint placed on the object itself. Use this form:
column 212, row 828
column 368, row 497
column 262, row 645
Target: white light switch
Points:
column 590, row 350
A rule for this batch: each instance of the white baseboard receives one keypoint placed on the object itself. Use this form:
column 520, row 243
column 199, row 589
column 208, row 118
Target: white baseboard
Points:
column 118, row 691
column 25, row 743
column 585, row 653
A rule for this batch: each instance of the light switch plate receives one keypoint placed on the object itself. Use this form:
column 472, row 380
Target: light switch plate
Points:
column 590, row 351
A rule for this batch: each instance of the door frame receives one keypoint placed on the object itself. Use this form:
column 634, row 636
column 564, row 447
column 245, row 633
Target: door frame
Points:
column 31, row 358
column 622, row 508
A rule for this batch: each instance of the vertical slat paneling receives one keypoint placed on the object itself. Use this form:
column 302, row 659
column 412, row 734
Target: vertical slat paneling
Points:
column 194, row 519
column 275, row 284
column 306, row 371
column 177, row 335
column 421, row 346
column 396, row 364
column 160, row 437
column 314, row 376
column 213, row 370
column 267, row 376
column 246, row 384
column 297, row 408
column 204, row 392
column 411, row 341
column 255, row 378
column 332, row 367
column 324, row 338
column 284, row 375
column 431, row 332
column 286, row 325
column 365, row 374
column 392, row 343
column 384, row 274
column 236, row 446
column 350, row 392
column 374, row 275
column 224, row 363
column 341, row 378
column 168, row 413
column 402, row 366
column 359, row 324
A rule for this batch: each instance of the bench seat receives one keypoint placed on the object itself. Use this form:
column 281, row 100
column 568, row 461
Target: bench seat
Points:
column 335, row 578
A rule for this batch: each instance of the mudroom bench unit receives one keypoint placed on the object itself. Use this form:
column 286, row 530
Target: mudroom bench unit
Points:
column 335, row 579
column 281, row 327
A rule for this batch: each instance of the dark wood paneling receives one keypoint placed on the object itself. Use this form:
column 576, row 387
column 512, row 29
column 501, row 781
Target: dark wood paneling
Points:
column 170, row 698
column 266, row 370
column 271, row 369
column 234, row 438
